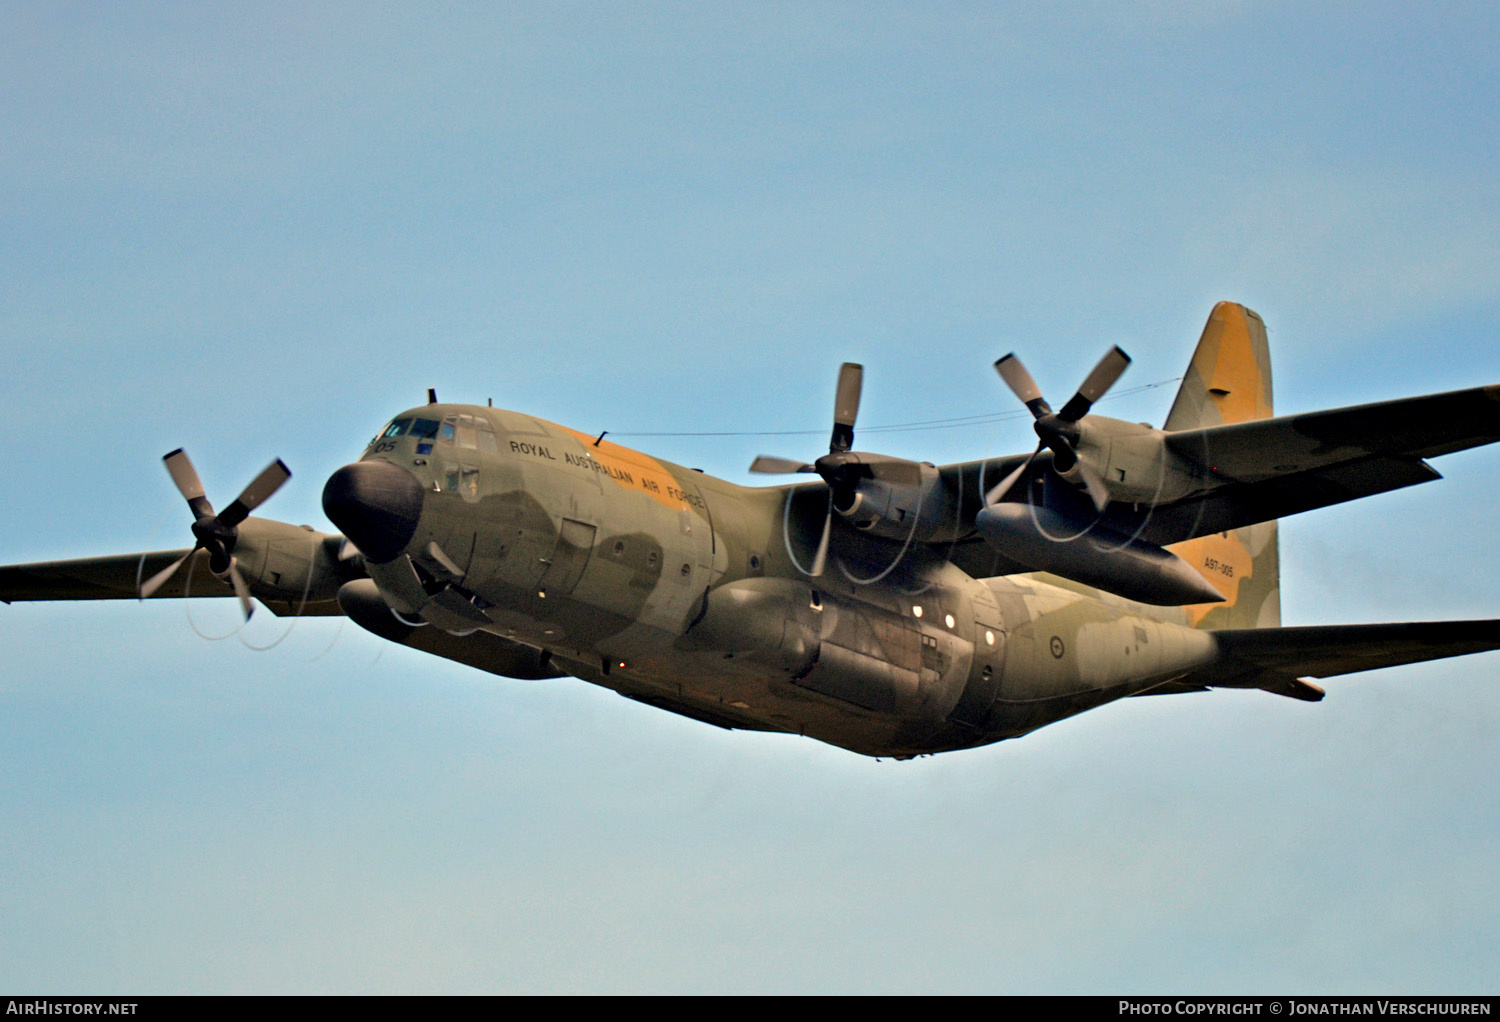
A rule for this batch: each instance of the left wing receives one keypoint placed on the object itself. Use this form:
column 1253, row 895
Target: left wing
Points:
column 1271, row 468
column 1265, row 469
column 1414, row 427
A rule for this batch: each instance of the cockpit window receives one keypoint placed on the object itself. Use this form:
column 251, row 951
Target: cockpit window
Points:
column 467, row 435
column 426, row 429
column 397, row 428
column 472, row 432
column 487, row 440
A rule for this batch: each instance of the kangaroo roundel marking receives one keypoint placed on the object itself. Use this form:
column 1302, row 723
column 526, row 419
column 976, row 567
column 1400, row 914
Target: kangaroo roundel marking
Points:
column 1057, row 646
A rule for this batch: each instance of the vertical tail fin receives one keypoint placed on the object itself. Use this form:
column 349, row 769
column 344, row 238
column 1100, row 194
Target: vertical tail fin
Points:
column 1229, row 380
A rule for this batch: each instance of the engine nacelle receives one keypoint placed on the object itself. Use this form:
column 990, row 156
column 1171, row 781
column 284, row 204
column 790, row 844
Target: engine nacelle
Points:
column 898, row 509
column 1134, row 460
column 288, row 562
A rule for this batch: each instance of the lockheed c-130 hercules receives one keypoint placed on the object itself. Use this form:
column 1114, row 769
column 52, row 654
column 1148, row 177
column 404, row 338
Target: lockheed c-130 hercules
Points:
column 891, row 607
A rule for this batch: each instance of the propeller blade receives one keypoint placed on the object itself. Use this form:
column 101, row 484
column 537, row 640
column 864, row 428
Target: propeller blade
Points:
column 1100, row 380
column 180, row 468
column 240, row 588
column 820, row 559
column 998, row 492
column 260, row 488
column 846, row 402
column 216, row 533
column 767, row 465
column 1094, row 482
column 1022, row 385
column 846, row 406
column 155, row 582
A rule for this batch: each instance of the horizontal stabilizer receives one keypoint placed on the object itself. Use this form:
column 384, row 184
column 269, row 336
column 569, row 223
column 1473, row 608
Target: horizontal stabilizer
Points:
column 1279, row 659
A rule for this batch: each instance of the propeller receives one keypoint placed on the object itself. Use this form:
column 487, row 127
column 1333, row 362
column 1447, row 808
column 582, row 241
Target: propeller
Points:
column 217, row 533
column 840, row 468
column 1059, row 431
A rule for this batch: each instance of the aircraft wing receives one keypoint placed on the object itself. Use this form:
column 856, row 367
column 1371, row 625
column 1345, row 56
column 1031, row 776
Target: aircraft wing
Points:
column 118, row 577
column 1271, row 468
column 1415, row 427
column 1275, row 659
column 1265, row 469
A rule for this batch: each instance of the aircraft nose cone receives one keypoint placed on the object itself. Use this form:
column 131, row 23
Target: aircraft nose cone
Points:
column 376, row 504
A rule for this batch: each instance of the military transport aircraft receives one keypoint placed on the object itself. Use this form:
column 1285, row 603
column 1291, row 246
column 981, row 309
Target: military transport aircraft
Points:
column 892, row 607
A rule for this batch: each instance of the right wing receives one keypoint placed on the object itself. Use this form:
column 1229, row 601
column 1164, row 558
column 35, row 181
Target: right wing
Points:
column 118, row 577
column 108, row 578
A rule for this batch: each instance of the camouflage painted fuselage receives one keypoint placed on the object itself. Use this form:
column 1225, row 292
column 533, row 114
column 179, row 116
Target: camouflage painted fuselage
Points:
column 690, row 593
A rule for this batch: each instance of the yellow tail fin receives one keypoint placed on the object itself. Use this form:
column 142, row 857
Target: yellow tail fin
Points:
column 1229, row 380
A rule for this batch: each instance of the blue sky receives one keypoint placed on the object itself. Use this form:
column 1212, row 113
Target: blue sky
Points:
column 258, row 230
